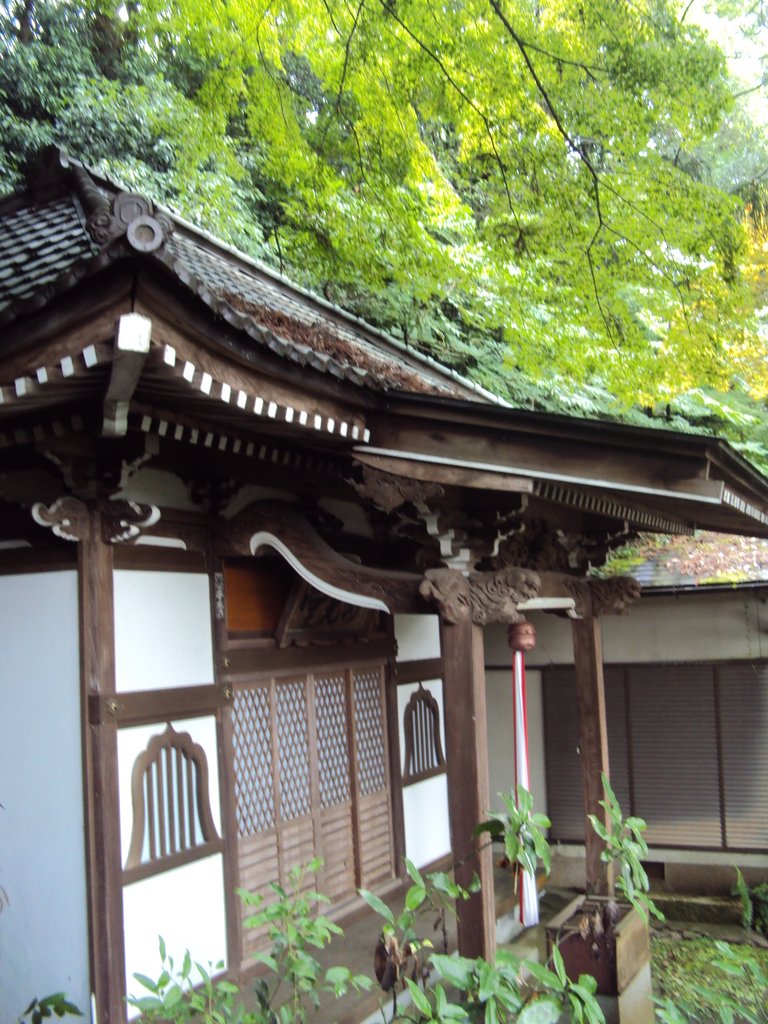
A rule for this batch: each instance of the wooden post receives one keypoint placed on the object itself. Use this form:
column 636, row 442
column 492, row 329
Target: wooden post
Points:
column 593, row 739
column 97, row 655
column 466, row 740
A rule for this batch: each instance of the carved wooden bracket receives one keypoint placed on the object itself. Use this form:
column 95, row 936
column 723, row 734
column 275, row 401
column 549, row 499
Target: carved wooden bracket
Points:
column 283, row 528
column 123, row 521
column 314, row 618
column 592, row 597
column 613, row 596
column 388, row 491
column 68, row 517
column 482, row 597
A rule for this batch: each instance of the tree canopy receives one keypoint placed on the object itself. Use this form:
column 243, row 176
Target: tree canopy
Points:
column 561, row 199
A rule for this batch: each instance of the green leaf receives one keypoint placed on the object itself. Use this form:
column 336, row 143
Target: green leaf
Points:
column 145, row 981
column 378, row 905
column 414, row 872
column 456, row 970
column 415, row 897
column 557, row 961
column 542, row 1010
column 543, row 975
column 420, row 1000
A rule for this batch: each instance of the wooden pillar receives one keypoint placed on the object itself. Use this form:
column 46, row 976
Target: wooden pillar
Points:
column 593, row 739
column 466, row 740
column 97, row 654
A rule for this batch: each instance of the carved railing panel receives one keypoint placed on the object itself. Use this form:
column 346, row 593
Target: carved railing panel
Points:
column 423, row 747
column 172, row 820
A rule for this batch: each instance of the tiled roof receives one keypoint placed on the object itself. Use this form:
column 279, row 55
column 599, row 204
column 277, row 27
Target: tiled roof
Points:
column 75, row 229
column 706, row 559
column 39, row 243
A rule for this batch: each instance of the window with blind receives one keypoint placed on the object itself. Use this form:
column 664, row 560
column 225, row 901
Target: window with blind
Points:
column 687, row 747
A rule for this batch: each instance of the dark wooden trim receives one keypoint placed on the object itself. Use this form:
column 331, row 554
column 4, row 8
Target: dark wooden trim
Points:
column 142, row 707
column 16, row 561
column 226, row 752
column 152, row 558
column 646, row 664
column 412, row 779
column 628, row 737
column 103, row 857
column 593, row 740
column 354, row 780
column 263, row 662
column 719, row 747
column 176, row 860
column 395, row 763
column 419, row 670
column 466, row 741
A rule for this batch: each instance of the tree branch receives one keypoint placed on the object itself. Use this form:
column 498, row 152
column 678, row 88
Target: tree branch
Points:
column 389, row 9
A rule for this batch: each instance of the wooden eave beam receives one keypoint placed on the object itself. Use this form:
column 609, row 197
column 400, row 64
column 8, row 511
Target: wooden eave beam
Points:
column 563, row 460
column 85, row 315
column 678, row 483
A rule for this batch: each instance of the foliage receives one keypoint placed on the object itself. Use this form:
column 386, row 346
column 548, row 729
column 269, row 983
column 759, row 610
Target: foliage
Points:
column 400, row 952
column 521, row 990
column 56, row 1005
column 698, row 980
column 520, row 830
column 625, row 849
column 294, row 928
column 508, row 989
column 525, row 191
column 754, row 904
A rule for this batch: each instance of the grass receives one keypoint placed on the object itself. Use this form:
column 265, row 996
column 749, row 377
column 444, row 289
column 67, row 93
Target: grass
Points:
column 684, row 971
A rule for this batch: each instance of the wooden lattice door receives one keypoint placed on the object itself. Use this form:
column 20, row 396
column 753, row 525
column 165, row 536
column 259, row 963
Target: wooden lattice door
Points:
column 311, row 779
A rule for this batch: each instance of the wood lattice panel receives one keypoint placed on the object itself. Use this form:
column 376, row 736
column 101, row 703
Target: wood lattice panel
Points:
column 374, row 822
column 311, row 779
column 252, row 745
column 293, row 750
column 369, row 730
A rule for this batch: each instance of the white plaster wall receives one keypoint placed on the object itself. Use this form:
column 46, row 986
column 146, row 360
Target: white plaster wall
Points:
column 685, row 627
column 501, row 746
column 162, row 630
column 43, row 926
column 417, row 636
column 691, row 626
column 425, row 810
column 185, row 905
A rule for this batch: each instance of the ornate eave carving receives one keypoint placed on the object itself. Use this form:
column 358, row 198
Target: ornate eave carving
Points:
column 283, row 528
column 134, row 217
column 613, row 596
column 67, row 517
column 389, row 492
column 70, row 519
column 592, row 597
column 123, row 521
column 483, row 597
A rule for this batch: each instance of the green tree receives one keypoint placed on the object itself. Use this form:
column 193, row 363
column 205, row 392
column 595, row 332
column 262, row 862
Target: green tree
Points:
column 515, row 186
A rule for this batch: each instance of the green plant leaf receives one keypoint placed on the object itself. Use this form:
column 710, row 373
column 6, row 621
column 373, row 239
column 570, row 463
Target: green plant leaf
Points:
column 378, row 905
column 541, row 1010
